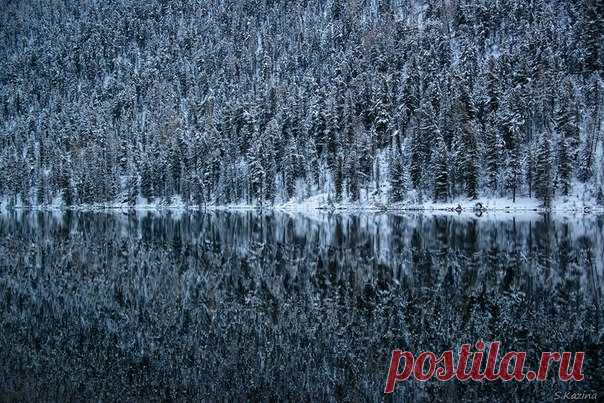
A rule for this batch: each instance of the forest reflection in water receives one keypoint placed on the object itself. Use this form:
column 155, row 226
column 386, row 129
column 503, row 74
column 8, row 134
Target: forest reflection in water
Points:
column 272, row 305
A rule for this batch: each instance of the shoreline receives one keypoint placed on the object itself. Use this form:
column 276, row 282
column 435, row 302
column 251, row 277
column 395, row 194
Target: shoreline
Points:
column 293, row 208
column 579, row 203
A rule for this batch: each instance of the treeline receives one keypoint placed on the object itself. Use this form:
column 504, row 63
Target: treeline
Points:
column 230, row 101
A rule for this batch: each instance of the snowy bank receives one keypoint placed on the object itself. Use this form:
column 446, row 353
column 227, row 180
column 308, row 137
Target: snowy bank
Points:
column 568, row 204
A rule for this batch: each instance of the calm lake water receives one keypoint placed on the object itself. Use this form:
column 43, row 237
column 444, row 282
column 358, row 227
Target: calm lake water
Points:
column 274, row 306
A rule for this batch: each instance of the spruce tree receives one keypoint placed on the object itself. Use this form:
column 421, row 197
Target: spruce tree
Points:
column 131, row 185
column 470, row 164
column 585, row 169
column 289, row 173
column 564, row 165
column 397, row 181
column 270, row 169
column 65, row 183
column 256, row 172
column 318, row 122
column 510, row 127
column 146, row 180
column 383, row 124
column 543, row 169
column 494, row 151
column 440, row 165
column 417, row 159
column 421, row 142
column 593, row 34
column 565, row 120
column 493, row 90
column 330, row 137
column 338, row 180
column 352, row 175
column 365, row 158
column 465, row 140
column 40, row 191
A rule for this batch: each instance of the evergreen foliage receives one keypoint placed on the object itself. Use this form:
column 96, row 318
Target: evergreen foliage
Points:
column 104, row 102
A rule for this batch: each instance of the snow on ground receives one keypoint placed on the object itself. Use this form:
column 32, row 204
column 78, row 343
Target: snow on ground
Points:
column 561, row 204
column 370, row 202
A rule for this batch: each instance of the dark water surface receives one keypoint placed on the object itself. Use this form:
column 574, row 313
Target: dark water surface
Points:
column 273, row 306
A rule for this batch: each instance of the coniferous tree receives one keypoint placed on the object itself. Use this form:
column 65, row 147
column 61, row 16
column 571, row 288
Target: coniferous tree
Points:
column 593, row 34
column 441, row 171
column 513, row 171
column 585, row 170
column 493, row 90
column 366, row 158
column 64, row 183
column 543, row 169
column 418, row 153
column 40, row 191
column 470, row 145
column 132, row 189
column 564, row 166
column 318, row 122
column 270, row 187
column 256, row 172
column 494, row 151
column 353, row 177
column 147, row 189
column 330, row 134
column 338, row 180
column 398, row 188
column 382, row 114
column 421, row 141
column 290, row 169
column 566, row 119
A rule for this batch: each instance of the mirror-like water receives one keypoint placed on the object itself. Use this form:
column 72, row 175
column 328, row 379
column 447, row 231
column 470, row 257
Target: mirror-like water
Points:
column 283, row 306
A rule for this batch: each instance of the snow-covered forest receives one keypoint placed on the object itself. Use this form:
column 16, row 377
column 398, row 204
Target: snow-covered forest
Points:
column 219, row 102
